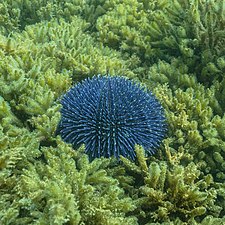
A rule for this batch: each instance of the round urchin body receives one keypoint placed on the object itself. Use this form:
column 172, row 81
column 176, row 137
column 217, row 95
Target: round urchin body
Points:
column 110, row 115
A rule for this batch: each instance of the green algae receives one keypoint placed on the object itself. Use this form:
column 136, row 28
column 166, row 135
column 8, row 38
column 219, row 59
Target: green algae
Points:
column 174, row 48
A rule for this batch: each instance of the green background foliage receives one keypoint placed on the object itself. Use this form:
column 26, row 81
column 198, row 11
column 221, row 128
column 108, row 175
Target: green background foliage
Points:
column 173, row 48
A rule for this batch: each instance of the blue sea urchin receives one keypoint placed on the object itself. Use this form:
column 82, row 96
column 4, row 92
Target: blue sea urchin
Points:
column 110, row 115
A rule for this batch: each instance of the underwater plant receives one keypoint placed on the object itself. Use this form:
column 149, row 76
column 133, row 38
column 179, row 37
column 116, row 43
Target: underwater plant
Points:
column 174, row 48
column 110, row 115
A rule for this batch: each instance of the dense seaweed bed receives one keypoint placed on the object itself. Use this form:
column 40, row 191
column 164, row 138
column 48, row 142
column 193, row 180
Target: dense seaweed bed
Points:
column 173, row 48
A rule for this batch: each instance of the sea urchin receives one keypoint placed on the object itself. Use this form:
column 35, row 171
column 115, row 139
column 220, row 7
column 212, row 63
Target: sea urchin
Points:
column 110, row 115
